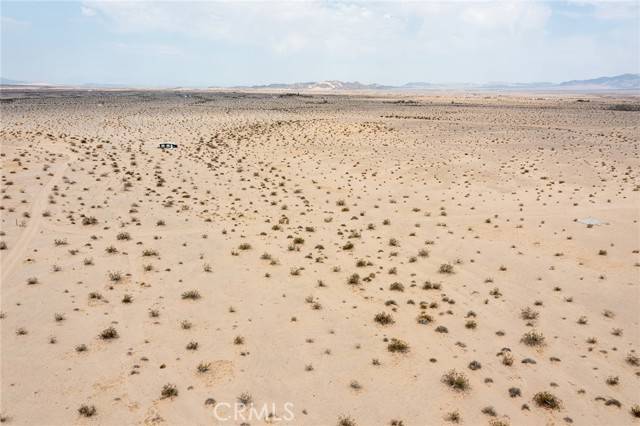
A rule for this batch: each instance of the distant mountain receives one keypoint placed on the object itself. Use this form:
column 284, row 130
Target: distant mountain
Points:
column 618, row 82
column 323, row 85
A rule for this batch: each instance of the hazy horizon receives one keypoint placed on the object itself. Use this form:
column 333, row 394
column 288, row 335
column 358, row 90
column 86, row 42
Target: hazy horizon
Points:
column 199, row 44
column 435, row 83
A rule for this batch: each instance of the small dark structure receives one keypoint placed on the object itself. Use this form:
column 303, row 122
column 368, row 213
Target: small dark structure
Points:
column 167, row 145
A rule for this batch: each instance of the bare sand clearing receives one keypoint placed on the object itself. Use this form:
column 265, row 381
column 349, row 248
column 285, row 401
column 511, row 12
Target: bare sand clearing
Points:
column 363, row 259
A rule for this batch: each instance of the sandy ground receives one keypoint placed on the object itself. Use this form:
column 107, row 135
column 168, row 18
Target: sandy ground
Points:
column 277, row 254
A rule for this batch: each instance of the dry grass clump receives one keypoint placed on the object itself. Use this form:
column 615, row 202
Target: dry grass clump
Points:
column 533, row 338
column 507, row 359
column 109, row 333
column 169, row 391
column 456, row 380
column 245, row 398
column 453, row 417
column 633, row 360
column 203, row 367
column 191, row 295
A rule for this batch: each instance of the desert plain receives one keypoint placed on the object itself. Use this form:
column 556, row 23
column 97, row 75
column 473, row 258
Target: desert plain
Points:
column 319, row 259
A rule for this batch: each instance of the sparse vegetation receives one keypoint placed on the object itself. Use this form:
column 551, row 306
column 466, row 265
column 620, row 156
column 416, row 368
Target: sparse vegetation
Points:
column 456, row 381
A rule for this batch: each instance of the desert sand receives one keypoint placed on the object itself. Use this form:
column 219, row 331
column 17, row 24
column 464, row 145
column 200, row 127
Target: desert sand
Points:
column 352, row 259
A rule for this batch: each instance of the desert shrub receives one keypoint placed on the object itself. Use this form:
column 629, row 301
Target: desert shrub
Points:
column 123, row 236
column 354, row 279
column 396, row 287
column 514, row 392
column 89, row 220
column 245, row 398
column 109, row 333
column 446, row 268
column 633, row 359
column 624, row 107
column 191, row 295
column 397, row 345
column 87, row 410
column 533, row 338
column 424, row 318
column 346, row 421
column 204, row 367
column 383, row 318
column 456, row 381
column 528, row 314
column 547, row 400
column 169, row 391
column 475, row 365
column 453, row 417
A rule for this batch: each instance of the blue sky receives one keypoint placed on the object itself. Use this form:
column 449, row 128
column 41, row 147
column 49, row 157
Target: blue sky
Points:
column 207, row 43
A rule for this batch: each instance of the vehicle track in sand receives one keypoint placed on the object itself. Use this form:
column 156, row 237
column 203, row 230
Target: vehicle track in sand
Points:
column 12, row 260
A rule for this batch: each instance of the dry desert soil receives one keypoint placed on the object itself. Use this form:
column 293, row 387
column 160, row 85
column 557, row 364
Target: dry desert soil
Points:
column 319, row 259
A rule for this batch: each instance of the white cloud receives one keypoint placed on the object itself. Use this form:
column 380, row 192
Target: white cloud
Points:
column 388, row 41
column 343, row 27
